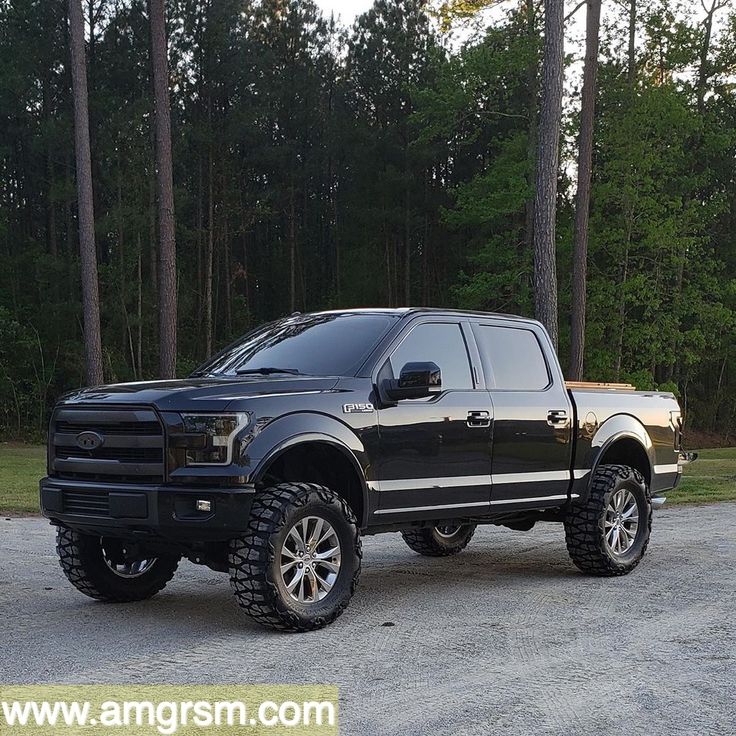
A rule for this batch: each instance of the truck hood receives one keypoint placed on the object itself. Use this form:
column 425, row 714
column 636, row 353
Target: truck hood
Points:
column 199, row 394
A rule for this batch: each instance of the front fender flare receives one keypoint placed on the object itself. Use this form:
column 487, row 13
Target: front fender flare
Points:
column 295, row 429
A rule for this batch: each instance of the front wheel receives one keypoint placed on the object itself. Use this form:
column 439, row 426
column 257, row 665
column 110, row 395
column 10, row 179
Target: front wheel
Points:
column 442, row 540
column 609, row 534
column 108, row 570
column 297, row 565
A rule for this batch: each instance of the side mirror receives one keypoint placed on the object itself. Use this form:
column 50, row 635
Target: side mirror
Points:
column 416, row 381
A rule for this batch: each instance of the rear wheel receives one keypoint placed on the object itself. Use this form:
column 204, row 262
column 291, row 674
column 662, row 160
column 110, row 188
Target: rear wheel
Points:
column 439, row 541
column 610, row 533
column 108, row 570
column 298, row 564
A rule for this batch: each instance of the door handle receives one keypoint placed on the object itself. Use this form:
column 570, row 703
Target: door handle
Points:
column 556, row 418
column 479, row 419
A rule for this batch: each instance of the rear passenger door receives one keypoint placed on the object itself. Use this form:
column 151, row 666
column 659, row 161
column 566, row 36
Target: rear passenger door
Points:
column 532, row 425
column 435, row 453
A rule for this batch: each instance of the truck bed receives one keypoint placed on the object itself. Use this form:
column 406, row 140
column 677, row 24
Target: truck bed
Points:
column 573, row 385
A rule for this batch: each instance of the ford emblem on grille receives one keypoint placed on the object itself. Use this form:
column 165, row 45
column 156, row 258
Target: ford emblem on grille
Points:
column 89, row 440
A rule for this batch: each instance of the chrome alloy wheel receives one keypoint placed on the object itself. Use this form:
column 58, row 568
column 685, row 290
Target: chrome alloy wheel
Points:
column 622, row 522
column 446, row 531
column 310, row 559
column 132, row 569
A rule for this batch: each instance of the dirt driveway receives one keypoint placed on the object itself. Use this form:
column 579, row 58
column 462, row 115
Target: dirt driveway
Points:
column 507, row 638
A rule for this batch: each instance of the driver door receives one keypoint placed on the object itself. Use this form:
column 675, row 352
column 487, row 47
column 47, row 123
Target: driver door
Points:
column 435, row 453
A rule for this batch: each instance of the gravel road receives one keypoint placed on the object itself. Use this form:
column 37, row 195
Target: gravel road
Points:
column 507, row 638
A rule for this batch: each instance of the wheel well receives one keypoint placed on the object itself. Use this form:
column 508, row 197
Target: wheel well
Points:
column 627, row 451
column 321, row 463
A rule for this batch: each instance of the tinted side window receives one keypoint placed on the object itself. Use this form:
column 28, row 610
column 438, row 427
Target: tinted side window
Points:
column 442, row 344
column 513, row 357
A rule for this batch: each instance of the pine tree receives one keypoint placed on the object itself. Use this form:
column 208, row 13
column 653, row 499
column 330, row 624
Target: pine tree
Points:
column 85, row 204
column 165, row 178
column 582, row 201
column 545, row 205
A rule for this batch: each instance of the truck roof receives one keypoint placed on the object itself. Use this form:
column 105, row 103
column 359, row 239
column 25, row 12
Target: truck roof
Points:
column 404, row 311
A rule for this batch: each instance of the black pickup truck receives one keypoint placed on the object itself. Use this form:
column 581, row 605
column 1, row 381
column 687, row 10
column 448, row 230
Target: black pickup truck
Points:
column 273, row 458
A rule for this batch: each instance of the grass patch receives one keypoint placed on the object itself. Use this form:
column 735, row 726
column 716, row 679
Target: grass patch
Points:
column 21, row 467
column 710, row 479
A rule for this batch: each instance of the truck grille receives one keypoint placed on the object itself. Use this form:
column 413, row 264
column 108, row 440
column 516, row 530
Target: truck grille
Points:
column 135, row 428
column 107, row 445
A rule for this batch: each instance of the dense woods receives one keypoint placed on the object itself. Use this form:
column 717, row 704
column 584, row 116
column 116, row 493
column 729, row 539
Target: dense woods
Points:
column 318, row 166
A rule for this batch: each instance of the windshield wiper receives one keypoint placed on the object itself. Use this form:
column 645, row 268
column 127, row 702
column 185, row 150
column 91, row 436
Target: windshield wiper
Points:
column 266, row 371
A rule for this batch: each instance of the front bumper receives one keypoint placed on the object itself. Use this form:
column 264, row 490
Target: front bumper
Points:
column 147, row 511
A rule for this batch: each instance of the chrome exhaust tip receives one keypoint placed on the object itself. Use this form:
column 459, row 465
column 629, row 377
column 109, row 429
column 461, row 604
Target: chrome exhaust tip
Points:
column 658, row 502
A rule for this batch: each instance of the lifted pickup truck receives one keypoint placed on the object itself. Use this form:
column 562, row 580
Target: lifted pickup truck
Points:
column 271, row 460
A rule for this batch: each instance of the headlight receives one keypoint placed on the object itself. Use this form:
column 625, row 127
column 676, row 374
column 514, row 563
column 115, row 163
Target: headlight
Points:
column 214, row 435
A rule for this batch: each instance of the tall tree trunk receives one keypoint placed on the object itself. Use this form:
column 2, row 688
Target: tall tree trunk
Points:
column 704, row 66
column 69, row 206
column 227, row 276
column 246, row 272
column 425, row 245
column 91, row 18
column 532, row 80
column 48, row 118
column 88, row 253
column 51, row 209
column 139, row 313
column 292, row 247
column 632, row 43
column 209, row 259
column 152, row 249
column 334, row 223
column 582, row 202
column 51, row 240
column 167, row 247
column 387, row 256
column 622, row 300
column 407, row 245
column 545, row 203
column 336, row 226
column 200, row 250
column 127, row 336
column 217, row 286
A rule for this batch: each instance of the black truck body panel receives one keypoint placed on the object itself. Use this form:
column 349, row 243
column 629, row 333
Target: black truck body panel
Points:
column 479, row 449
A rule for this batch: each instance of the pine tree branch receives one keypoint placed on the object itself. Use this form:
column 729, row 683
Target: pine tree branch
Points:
column 575, row 9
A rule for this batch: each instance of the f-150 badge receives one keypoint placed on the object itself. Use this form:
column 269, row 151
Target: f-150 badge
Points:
column 358, row 408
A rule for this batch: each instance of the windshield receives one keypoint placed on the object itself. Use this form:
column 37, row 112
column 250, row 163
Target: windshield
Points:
column 316, row 345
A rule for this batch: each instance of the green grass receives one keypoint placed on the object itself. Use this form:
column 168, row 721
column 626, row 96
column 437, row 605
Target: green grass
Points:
column 21, row 467
column 711, row 478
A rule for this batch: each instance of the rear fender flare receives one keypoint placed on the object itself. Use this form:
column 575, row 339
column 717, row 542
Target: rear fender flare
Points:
column 615, row 429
